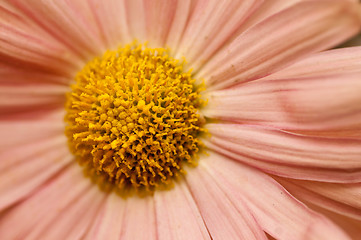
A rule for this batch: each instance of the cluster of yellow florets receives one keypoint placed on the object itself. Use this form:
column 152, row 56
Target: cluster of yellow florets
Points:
column 133, row 118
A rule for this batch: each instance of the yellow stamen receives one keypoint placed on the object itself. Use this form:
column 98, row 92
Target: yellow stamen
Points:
column 132, row 118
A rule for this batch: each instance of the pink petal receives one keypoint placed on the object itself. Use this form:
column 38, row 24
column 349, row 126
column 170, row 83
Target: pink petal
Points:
column 340, row 198
column 329, row 103
column 349, row 194
column 74, row 221
column 265, row 10
column 108, row 223
column 13, row 75
column 223, row 219
column 17, row 98
column 280, row 147
column 69, row 192
column 27, row 127
column 136, row 19
column 327, row 63
column 306, row 173
column 177, row 215
column 288, row 155
column 282, row 39
column 111, row 17
column 350, row 226
column 159, row 18
column 25, row 43
column 21, row 172
column 139, row 219
column 353, row 42
column 182, row 12
column 210, row 25
column 69, row 22
column 278, row 213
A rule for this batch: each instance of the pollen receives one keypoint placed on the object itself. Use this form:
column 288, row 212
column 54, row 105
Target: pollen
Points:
column 133, row 118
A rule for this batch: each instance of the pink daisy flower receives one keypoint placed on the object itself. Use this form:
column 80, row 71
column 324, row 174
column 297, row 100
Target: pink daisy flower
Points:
column 268, row 147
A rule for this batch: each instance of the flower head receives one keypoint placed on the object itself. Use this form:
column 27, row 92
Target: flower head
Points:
column 212, row 119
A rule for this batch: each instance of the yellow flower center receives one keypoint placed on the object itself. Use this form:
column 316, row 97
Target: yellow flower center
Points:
column 132, row 118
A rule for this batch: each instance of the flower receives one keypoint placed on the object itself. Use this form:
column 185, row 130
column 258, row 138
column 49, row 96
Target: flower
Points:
column 282, row 157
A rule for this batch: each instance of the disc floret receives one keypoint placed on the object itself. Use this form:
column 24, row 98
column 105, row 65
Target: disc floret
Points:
column 133, row 118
